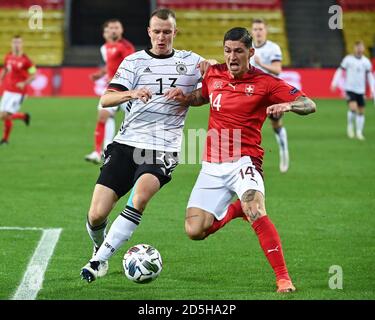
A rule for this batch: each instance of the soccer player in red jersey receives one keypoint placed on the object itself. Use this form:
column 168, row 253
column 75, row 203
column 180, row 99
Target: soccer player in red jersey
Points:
column 115, row 49
column 241, row 97
column 17, row 73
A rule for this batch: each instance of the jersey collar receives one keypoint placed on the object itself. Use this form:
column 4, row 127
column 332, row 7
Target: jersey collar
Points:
column 249, row 74
column 262, row 45
column 162, row 56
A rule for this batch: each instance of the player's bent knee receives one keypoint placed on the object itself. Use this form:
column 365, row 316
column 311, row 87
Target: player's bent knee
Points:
column 196, row 223
column 194, row 232
column 96, row 217
column 4, row 116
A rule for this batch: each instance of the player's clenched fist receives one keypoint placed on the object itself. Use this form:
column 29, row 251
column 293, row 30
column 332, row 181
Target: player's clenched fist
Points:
column 277, row 110
column 175, row 94
column 143, row 94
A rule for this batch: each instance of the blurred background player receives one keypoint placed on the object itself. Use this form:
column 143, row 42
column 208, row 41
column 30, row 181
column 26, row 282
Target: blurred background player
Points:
column 268, row 58
column 357, row 70
column 115, row 49
column 18, row 72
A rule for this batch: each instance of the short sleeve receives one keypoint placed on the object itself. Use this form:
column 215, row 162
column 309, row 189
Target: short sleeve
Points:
column 344, row 63
column 124, row 77
column 205, row 80
column 276, row 54
column 128, row 49
column 205, row 89
column 28, row 63
column 280, row 91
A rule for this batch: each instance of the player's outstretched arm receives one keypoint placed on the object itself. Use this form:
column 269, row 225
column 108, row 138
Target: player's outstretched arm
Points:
column 302, row 106
column 113, row 98
column 193, row 99
column 205, row 64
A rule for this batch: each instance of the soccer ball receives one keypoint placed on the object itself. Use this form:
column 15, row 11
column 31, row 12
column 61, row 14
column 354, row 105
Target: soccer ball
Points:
column 142, row 263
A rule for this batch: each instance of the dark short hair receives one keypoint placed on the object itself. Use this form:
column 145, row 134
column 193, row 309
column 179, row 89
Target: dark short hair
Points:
column 239, row 34
column 163, row 14
column 113, row 20
column 359, row 42
column 259, row 20
column 17, row 36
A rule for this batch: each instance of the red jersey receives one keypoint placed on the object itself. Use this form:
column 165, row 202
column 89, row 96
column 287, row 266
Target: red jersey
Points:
column 17, row 71
column 238, row 111
column 113, row 53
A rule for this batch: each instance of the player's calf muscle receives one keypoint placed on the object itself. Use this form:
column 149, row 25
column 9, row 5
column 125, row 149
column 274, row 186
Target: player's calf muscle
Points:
column 252, row 203
column 102, row 203
column 196, row 223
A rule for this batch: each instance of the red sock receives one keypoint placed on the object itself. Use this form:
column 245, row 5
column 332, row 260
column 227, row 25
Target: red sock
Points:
column 8, row 124
column 234, row 211
column 19, row 116
column 99, row 136
column 270, row 242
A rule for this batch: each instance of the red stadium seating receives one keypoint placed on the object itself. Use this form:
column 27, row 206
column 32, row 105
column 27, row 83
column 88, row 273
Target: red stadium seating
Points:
column 220, row 4
column 46, row 4
column 45, row 46
column 359, row 23
column 357, row 5
column 202, row 23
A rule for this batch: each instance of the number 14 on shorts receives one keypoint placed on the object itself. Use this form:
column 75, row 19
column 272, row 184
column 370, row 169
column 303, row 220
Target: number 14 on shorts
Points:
column 248, row 171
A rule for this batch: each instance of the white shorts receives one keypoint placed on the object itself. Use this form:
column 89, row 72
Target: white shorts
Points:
column 11, row 102
column 217, row 183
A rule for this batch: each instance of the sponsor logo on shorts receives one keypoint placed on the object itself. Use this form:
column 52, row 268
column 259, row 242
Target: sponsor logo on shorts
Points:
column 293, row 91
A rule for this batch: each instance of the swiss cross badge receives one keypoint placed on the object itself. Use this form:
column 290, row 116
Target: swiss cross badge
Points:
column 218, row 85
column 249, row 89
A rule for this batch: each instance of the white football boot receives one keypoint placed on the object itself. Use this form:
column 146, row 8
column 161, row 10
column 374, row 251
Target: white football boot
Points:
column 93, row 157
column 104, row 264
column 360, row 136
column 350, row 132
column 92, row 270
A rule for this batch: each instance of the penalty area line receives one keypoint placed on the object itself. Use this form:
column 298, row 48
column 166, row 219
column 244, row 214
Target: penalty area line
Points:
column 33, row 278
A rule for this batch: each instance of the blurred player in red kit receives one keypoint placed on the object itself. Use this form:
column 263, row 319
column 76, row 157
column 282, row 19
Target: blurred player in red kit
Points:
column 18, row 72
column 113, row 52
column 241, row 97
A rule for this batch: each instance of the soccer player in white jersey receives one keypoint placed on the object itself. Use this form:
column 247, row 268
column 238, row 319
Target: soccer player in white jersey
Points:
column 268, row 58
column 357, row 69
column 145, row 150
column 115, row 49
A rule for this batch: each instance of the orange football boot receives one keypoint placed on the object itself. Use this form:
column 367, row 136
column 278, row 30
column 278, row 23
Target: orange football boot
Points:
column 284, row 285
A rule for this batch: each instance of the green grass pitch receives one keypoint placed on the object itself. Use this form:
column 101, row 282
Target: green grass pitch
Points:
column 323, row 208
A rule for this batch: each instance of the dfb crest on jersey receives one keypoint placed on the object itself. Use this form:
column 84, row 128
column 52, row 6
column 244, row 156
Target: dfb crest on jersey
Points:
column 117, row 75
column 181, row 68
column 249, row 89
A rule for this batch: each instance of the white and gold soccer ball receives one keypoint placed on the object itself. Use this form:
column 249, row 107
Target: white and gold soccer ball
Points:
column 142, row 263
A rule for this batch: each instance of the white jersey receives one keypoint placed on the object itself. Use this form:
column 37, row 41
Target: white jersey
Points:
column 356, row 73
column 268, row 53
column 157, row 124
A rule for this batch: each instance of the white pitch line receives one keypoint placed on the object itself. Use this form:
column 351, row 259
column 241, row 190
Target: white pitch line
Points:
column 22, row 228
column 33, row 278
